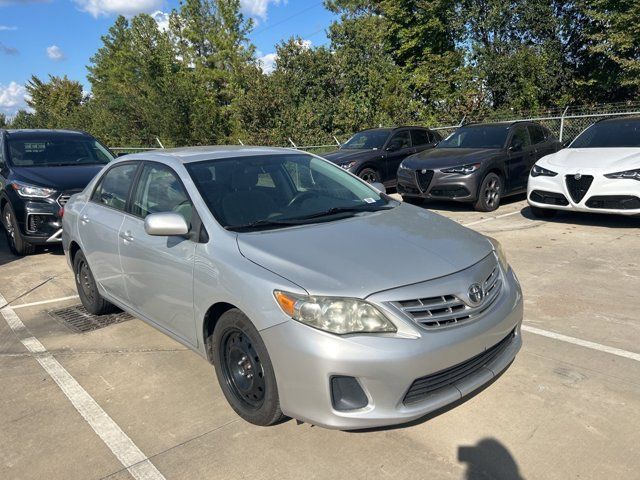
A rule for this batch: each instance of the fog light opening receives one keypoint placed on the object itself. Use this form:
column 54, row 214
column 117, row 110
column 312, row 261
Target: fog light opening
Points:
column 347, row 394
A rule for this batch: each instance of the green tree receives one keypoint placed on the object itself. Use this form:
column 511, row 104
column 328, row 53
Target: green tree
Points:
column 55, row 103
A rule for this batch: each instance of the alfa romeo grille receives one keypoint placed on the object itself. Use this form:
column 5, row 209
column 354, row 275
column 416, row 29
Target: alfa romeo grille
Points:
column 447, row 310
column 578, row 187
column 424, row 179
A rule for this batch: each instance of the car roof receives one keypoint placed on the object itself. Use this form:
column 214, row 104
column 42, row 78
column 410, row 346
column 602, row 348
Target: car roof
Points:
column 505, row 124
column 214, row 152
column 621, row 119
column 40, row 132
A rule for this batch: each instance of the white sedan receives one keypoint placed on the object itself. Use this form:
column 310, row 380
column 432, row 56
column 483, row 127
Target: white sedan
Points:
column 599, row 172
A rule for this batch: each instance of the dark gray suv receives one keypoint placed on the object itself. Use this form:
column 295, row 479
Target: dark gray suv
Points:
column 478, row 163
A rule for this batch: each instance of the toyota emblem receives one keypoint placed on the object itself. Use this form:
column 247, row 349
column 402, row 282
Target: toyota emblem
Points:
column 476, row 294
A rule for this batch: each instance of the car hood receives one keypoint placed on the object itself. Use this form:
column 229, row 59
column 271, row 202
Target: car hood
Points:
column 450, row 157
column 605, row 160
column 60, row 178
column 365, row 254
column 344, row 156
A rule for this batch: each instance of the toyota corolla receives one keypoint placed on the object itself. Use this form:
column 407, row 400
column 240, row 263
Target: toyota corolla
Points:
column 314, row 294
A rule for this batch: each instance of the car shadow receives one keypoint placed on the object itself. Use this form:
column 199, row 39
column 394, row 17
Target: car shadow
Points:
column 6, row 256
column 586, row 219
column 488, row 459
column 451, row 206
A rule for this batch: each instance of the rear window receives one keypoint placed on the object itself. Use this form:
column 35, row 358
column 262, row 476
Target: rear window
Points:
column 57, row 152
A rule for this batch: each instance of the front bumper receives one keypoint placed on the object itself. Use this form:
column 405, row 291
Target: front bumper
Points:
column 603, row 194
column 306, row 359
column 436, row 185
column 39, row 221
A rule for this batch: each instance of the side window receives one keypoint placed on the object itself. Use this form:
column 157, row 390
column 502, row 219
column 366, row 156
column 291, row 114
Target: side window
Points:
column 537, row 134
column 1, row 153
column 520, row 139
column 400, row 140
column 158, row 191
column 421, row 137
column 114, row 186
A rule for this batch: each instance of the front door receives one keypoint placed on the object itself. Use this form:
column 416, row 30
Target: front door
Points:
column 398, row 148
column 99, row 225
column 521, row 154
column 159, row 270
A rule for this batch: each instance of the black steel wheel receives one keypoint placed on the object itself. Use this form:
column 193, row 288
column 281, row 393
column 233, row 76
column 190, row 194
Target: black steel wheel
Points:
column 18, row 245
column 489, row 193
column 244, row 369
column 87, row 288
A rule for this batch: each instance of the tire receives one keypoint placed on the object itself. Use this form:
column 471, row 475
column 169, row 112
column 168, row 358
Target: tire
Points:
column 489, row 193
column 543, row 212
column 88, row 292
column 244, row 370
column 413, row 200
column 18, row 245
column 369, row 175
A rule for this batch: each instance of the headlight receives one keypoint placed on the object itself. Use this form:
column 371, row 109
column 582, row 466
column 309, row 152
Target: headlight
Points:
column 538, row 171
column 462, row 169
column 334, row 314
column 347, row 166
column 628, row 174
column 31, row 191
column 502, row 257
column 402, row 166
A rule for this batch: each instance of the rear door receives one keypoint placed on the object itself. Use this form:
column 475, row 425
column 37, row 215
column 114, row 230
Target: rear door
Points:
column 397, row 148
column 158, row 270
column 521, row 155
column 99, row 226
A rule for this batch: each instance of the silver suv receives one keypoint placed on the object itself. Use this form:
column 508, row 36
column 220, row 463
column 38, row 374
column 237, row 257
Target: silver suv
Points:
column 314, row 294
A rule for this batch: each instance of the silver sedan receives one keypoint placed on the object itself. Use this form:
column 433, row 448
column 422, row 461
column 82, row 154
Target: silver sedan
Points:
column 315, row 295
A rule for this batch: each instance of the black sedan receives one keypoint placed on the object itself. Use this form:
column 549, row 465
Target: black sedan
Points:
column 478, row 163
column 374, row 155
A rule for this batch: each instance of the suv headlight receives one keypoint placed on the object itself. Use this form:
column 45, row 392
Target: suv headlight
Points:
column 538, row 171
column 347, row 166
column 462, row 169
column 502, row 257
column 32, row 191
column 334, row 314
column 627, row 174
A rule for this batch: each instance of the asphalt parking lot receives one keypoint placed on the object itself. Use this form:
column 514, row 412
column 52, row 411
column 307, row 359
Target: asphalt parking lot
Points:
column 126, row 401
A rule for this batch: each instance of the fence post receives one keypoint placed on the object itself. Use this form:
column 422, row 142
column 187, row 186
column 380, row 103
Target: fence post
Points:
column 241, row 142
column 291, row 142
column 562, row 122
column 159, row 143
column 337, row 141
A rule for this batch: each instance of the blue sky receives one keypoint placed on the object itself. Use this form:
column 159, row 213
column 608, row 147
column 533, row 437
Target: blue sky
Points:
column 58, row 37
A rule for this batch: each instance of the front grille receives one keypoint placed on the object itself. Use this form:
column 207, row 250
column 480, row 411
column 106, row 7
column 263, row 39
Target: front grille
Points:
column 425, row 386
column 550, row 198
column 65, row 196
column 446, row 310
column 614, row 202
column 578, row 188
column 424, row 179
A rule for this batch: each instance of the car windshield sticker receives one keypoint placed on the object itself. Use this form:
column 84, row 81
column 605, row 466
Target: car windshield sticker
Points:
column 369, row 200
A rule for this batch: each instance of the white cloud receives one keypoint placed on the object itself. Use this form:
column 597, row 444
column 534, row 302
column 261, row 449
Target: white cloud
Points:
column 162, row 19
column 5, row 28
column 306, row 44
column 268, row 62
column 55, row 53
column 258, row 8
column 12, row 98
column 119, row 7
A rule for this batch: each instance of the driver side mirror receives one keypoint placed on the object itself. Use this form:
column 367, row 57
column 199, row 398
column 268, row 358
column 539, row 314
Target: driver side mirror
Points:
column 165, row 224
column 393, row 146
column 516, row 146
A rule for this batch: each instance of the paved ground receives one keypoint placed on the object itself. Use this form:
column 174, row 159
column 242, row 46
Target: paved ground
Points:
column 563, row 410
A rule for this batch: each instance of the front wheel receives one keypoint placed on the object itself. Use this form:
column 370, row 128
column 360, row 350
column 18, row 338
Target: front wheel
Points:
column 244, row 370
column 369, row 175
column 88, row 292
column 543, row 212
column 18, row 245
column 489, row 193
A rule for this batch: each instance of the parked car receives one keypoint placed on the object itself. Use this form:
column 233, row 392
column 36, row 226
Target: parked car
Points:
column 374, row 155
column 39, row 171
column 599, row 172
column 478, row 163
column 240, row 254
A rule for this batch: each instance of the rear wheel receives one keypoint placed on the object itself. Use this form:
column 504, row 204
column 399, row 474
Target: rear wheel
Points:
column 18, row 245
column 369, row 175
column 244, row 369
column 543, row 212
column 91, row 299
column 489, row 193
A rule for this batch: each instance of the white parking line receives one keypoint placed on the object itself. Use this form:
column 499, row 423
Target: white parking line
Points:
column 109, row 432
column 491, row 218
column 583, row 343
column 44, row 302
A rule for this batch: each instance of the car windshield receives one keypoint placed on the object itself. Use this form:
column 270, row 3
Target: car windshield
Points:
column 486, row 136
column 57, row 152
column 370, row 140
column 275, row 191
column 609, row 135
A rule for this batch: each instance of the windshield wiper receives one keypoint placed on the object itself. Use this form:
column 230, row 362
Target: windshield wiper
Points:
column 338, row 210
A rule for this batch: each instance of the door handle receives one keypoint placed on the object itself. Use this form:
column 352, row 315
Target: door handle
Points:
column 84, row 219
column 126, row 236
